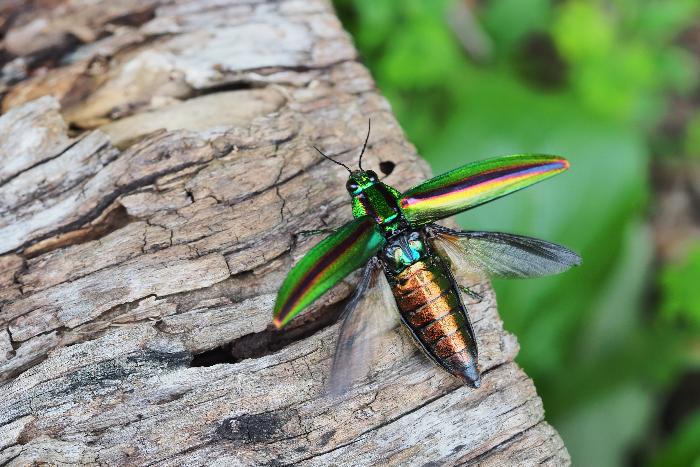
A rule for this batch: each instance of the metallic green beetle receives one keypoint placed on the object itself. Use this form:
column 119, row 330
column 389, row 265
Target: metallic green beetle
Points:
column 396, row 234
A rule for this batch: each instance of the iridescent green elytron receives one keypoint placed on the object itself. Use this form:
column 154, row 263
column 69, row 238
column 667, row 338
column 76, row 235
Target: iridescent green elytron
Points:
column 394, row 233
column 327, row 264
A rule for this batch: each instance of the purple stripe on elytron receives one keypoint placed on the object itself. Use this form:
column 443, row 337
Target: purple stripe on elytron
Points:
column 314, row 273
column 484, row 177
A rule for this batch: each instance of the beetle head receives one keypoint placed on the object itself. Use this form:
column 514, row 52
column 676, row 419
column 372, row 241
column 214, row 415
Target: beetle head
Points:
column 360, row 180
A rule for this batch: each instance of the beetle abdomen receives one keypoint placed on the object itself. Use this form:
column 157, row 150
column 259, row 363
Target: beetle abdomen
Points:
column 432, row 308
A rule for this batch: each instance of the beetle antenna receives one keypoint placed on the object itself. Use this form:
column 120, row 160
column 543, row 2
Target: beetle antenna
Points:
column 332, row 160
column 369, row 127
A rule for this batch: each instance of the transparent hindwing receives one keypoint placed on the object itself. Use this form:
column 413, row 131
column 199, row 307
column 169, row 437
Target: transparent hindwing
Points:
column 499, row 254
column 368, row 317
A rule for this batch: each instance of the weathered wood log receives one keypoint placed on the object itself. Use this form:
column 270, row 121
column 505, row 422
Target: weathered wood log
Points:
column 155, row 174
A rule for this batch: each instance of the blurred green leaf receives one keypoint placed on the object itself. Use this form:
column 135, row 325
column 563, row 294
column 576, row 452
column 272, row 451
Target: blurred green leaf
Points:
column 603, row 426
column 692, row 137
column 681, row 294
column 679, row 68
column 659, row 20
column 509, row 21
column 622, row 56
column 683, row 449
column 583, row 31
column 419, row 56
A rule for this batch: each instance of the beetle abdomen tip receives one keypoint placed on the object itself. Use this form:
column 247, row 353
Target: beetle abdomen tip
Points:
column 471, row 375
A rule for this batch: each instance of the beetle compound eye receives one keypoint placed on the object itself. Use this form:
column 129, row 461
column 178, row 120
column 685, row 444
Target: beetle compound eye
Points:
column 372, row 176
column 351, row 186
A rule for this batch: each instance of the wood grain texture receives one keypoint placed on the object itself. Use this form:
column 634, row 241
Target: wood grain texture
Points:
column 155, row 176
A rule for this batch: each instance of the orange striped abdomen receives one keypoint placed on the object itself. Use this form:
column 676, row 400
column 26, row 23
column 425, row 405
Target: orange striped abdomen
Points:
column 432, row 308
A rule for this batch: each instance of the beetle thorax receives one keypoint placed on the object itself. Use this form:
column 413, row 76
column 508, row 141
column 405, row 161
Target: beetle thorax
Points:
column 403, row 250
column 370, row 197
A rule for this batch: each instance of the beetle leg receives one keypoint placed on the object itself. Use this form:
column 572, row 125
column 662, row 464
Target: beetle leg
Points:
column 311, row 233
column 476, row 296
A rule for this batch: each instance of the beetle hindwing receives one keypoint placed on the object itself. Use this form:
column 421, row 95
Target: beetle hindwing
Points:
column 368, row 316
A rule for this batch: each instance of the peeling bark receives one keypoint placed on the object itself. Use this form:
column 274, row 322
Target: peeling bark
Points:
column 155, row 175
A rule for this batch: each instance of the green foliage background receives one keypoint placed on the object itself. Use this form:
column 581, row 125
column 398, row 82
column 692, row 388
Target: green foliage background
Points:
column 589, row 80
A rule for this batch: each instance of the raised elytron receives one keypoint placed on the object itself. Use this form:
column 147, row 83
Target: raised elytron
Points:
column 410, row 262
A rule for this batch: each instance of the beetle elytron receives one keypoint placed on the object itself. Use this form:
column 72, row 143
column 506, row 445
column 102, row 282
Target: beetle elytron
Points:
column 396, row 234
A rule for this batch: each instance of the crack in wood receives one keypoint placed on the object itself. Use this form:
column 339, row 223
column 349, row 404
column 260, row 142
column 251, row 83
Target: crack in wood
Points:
column 102, row 204
column 269, row 341
column 114, row 220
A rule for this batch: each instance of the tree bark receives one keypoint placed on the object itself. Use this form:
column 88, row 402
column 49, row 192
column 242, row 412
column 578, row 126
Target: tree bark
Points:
column 155, row 175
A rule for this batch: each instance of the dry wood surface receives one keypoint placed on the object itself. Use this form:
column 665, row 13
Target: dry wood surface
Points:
column 155, row 176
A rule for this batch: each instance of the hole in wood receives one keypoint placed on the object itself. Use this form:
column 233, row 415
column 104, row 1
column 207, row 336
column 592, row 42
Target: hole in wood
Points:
column 112, row 220
column 387, row 167
column 271, row 340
